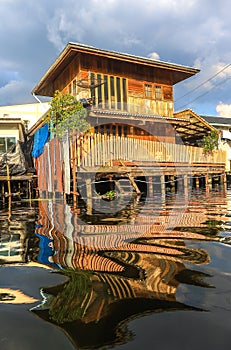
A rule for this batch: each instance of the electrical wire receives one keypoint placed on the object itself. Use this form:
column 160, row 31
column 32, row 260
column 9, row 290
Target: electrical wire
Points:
column 205, row 93
column 203, row 83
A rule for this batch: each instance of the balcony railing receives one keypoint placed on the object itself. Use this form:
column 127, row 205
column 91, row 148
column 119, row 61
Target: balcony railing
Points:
column 104, row 150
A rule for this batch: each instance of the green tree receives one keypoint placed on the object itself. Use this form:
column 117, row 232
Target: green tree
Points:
column 66, row 114
column 210, row 142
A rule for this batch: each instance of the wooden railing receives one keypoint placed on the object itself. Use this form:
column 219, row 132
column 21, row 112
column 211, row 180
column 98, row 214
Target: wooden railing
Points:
column 102, row 150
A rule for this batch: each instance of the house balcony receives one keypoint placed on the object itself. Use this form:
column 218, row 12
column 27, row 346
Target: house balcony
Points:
column 108, row 153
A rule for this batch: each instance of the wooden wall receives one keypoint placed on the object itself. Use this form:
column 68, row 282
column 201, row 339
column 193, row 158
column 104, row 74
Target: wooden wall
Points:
column 137, row 77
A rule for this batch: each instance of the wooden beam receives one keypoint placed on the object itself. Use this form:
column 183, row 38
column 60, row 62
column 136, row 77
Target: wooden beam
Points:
column 133, row 183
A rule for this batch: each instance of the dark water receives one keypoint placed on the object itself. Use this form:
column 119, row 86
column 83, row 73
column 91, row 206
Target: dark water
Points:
column 133, row 273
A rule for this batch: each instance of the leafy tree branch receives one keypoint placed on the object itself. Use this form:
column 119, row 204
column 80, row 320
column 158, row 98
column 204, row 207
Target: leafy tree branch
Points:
column 66, row 114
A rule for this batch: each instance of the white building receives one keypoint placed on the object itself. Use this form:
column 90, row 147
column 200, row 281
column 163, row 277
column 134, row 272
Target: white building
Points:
column 223, row 124
column 28, row 113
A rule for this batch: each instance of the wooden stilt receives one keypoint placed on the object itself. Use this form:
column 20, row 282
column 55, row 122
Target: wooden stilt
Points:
column 172, row 183
column 111, row 184
column 162, row 185
column 179, row 184
column 197, row 182
column 120, row 188
column 9, row 207
column 150, row 186
column 133, row 183
column 8, row 180
column 185, row 179
column 89, row 196
column 208, row 183
column 223, row 179
column 3, row 192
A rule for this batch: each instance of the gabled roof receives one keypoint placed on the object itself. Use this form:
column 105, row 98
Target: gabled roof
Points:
column 178, row 72
column 196, row 128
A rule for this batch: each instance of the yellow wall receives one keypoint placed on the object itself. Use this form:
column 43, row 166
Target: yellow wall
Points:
column 11, row 131
column 27, row 112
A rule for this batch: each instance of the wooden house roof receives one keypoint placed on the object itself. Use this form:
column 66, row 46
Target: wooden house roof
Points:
column 195, row 129
column 176, row 72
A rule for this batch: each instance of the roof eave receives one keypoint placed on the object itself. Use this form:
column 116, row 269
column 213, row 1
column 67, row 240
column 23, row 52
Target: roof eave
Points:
column 110, row 54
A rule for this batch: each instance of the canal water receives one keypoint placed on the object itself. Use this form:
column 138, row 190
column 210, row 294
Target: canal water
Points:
column 133, row 273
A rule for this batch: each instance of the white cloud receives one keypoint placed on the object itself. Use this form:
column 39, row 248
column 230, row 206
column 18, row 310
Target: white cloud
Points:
column 213, row 71
column 16, row 92
column 224, row 110
column 154, row 56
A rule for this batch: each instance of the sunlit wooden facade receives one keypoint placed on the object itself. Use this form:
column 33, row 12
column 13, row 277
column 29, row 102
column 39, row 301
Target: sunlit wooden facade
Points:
column 130, row 105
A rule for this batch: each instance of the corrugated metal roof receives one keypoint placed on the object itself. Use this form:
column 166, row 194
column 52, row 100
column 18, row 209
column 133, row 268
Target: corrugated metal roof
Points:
column 136, row 115
column 217, row 120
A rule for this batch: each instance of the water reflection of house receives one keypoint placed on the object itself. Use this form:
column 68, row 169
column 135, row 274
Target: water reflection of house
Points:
column 144, row 261
column 74, row 239
column 133, row 127
column 15, row 235
column 114, row 278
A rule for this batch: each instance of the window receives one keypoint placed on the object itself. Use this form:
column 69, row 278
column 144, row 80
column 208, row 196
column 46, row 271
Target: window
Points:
column 112, row 89
column 106, row 90
column 6, row 143
column 118, row 89
column 124, row 90
column 158, row 92
column 109, row 91
column 167, row 92
column 148, row 90
column 92, row 89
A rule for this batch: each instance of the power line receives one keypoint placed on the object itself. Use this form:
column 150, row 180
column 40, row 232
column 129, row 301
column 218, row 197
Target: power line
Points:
column 203, row 83
column 205, row 93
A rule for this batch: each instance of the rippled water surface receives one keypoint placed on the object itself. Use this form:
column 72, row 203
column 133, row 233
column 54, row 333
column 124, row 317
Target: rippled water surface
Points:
column 133, row 273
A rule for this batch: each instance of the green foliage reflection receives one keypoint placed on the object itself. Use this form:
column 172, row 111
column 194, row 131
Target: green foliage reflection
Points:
column 70, row 303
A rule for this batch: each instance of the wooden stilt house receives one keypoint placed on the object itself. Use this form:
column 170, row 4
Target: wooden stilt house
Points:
column 134, row 132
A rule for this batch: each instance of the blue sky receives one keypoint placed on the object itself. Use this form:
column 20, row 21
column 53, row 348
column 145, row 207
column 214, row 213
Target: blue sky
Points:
column 194, row 33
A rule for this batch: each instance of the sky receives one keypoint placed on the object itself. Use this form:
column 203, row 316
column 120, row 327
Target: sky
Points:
column 194, row 33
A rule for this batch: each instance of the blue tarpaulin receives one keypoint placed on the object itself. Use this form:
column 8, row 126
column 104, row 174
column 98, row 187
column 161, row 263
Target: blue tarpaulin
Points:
column 46, row 251
column 40, row 138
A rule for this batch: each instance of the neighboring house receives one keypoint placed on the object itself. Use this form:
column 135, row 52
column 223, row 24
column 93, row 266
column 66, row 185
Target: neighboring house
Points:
column 12, row 136
column 223, row 125
column 28, row 113
column 11, row 131
column 15, row 120
column 134, row 132
column 16, row 167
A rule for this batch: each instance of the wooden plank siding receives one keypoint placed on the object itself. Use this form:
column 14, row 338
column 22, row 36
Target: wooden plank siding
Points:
column 134, row 100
